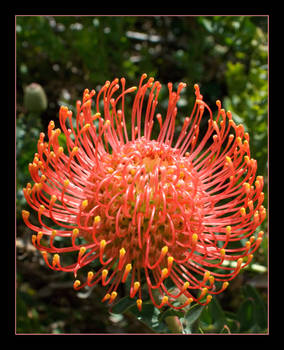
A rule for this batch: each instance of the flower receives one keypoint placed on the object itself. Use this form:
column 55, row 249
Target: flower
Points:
column 176, row 214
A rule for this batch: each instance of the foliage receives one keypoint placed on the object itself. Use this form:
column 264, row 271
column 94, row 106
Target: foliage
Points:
column 250, row 317
column 227, row 56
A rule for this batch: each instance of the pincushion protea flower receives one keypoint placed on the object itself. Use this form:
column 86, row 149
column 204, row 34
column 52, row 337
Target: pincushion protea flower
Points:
column 161, row 213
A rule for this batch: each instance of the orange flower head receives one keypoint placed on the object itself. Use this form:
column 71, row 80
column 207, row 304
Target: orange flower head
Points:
column 167, row 213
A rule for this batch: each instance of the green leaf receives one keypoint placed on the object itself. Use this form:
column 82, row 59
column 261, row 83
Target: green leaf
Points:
column 149, row 316
column 259, row 310
column 232, row 321
column 252, row 313
column 170, row 312
column 146, row 314
column 245, row 315
column 192, row 315
column 207, row 23
column 218, row 315
column 122, row 305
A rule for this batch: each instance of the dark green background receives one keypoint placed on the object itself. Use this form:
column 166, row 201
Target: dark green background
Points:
column 226, row 55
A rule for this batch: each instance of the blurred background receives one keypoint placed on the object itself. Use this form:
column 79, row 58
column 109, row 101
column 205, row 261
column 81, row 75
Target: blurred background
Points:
column 57, row 57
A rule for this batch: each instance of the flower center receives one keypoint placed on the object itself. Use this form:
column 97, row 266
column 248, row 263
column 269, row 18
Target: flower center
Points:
column 147, row 197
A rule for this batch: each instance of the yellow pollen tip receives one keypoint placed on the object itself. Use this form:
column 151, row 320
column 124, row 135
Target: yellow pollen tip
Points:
column 53, row 199
column 239, row 262
column 170, row 260
column 222, row 252
column 56, row 259
column 225, row 285
column 75, row 150
column 206, row 275
column 243, row 211
column 205, row 290
column 189, row 301
column 44, row 253
column 102, row 243
column 165, row 250
column 87, row 103
column 51, row 155
column 97, row 219
column 228, row 159
column 139, row 303
column 260, row 234
column 104, row 273
column 41, row 208
column 38, row 186
column 90, row 275
column 97, row 115
column 250, row 205
column 84, row 204
column 208, row 298
column 63, row 108
column 113, row 295
column 133, row 88
column 165, row 271
column 106, row 297
column 66, row 183
column 51, row 123
column 76, row 284
column 122, row 252
column 34, row 239
column 248, row 244
column 136, row 285
column 128, row 268
column 25, row 214
column 185, row 285
column 82, row 251
column 194, row 238
column 247, row 186
column 75, row 232
column 165, row 299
